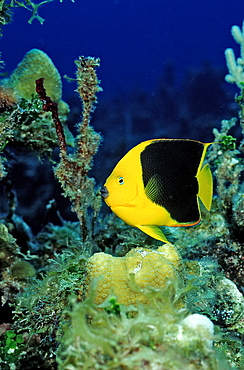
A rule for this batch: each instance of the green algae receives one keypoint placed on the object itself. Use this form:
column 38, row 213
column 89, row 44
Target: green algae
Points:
column 155, row 336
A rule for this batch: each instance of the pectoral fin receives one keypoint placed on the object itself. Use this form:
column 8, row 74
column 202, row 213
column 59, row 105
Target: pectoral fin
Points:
column 153, row 231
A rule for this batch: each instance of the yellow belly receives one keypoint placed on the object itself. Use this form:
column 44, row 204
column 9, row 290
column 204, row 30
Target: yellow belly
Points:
column 154, row 215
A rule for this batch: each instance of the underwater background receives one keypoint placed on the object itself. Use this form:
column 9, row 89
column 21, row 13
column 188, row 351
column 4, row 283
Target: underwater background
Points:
column 135, row 40
column 79, row 288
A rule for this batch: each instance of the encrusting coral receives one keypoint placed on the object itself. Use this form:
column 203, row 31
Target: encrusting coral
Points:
column 139, row 269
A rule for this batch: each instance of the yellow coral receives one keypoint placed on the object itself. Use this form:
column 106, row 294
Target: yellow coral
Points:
column 37, row 64
column 127, row 276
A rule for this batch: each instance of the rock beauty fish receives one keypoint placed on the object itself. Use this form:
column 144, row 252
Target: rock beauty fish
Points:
column 159, row 183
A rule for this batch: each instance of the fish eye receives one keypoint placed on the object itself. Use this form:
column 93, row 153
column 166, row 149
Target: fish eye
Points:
column 121, row 180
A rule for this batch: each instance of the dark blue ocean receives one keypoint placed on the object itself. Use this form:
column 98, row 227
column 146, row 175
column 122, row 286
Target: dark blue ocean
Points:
column 135, row 39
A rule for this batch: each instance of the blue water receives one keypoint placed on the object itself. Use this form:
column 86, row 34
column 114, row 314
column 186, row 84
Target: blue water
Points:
column 135, row 39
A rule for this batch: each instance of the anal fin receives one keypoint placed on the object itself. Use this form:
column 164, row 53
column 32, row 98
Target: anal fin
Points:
column 153, row 231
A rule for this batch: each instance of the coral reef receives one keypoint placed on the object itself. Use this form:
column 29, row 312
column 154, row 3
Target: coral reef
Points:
column 11, row 348
column 236, row 66
column 23, row 122
column 42, row 304
column 34, row 65
column 72, row 171
column 8, row 247
column 152, row 336
column 127, row 276
column 5, row 14
column 236, row 71
column 7, row 99
column 133, row 304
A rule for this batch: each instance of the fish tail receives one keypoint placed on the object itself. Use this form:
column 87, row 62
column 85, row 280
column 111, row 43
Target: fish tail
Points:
column 205, row 184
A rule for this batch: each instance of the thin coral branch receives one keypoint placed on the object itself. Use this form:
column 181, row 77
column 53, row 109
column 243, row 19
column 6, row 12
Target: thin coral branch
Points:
column 88, row 86
column 50, row 106
column 72, row 171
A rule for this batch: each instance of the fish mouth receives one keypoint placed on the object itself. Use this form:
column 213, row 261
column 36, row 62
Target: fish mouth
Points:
column 104, row 192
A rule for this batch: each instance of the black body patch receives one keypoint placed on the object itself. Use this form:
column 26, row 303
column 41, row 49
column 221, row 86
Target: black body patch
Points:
column 169, row 168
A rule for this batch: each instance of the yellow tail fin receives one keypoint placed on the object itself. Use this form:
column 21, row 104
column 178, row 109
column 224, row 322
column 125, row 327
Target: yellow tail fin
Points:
column 205, row 183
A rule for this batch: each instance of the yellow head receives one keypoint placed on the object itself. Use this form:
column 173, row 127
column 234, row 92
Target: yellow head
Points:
column 125, row 182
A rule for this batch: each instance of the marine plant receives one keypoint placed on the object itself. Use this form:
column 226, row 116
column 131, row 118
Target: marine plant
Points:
column 11, row 347
column 154, row 336
column 23, row 122
column 72, row 171
column 73, row 174
column 42, row 304
column 230, row 167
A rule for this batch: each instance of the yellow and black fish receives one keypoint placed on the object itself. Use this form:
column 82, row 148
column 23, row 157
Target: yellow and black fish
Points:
column 159, row 183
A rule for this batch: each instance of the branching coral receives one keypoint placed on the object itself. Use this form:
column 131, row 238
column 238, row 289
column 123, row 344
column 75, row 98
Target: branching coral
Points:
column 7, row 104
column 236, row 66
column 225, row 157
column 43, row 302
column 7, row 5
column 5, row 14
column 236, row 71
